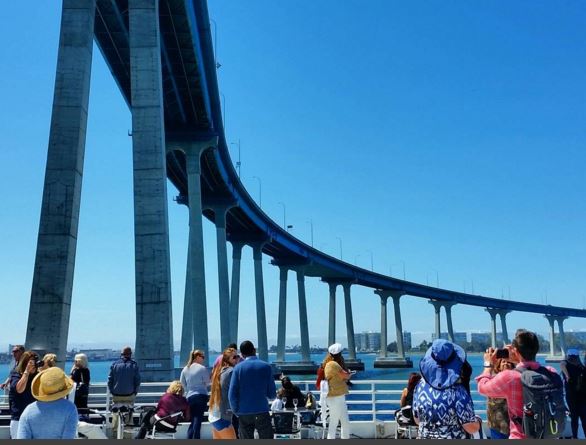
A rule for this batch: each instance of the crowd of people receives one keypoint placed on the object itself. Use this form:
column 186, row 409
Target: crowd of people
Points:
column 524, row 398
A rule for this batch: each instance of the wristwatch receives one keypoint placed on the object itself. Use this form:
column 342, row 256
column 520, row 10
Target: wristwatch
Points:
column 487, row 364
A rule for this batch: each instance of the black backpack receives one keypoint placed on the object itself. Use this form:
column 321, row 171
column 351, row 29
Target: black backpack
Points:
column 544, row 407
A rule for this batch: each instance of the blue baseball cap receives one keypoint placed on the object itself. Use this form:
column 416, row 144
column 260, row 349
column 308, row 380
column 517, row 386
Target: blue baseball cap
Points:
column 442, row 364
column 573, row 351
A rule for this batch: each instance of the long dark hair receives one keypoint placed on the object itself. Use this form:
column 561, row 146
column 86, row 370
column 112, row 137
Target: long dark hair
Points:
column 335, row 358
column 414, row 379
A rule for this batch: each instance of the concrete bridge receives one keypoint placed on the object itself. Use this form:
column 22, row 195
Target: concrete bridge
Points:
column 160, row 54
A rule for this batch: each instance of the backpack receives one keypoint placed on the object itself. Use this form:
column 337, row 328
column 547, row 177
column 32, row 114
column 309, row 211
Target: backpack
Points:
column 544, row 407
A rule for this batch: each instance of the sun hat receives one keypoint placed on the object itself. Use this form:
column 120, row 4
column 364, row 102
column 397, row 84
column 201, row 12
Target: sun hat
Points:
column 51, row 384
column 442, row 364
column 573, row 351
column 334, row 349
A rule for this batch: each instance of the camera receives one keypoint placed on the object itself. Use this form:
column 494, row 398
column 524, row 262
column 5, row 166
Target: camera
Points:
column 39, row 363
column 502, row 353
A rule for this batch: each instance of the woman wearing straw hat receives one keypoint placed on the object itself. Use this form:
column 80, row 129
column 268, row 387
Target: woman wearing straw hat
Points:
column 52, row 416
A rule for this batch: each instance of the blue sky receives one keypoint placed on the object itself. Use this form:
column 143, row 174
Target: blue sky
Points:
column 446, row 135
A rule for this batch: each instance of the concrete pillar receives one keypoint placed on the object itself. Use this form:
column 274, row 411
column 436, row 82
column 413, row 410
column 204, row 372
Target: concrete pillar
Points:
column 196, row 275
column 448, row 309
column 551, row 320
column 437, row 306
column 223, row 280
column 560, row 321
column 50, row 303
column 187, row 325
column 384, row 297
column 235, row 289
column 282, row 322
column 398, row 324
column 303, row 324
column 493, row 313
column 503, row 315
column 332, row 315
column 349, row 322
column 154, row 333
column 261, row 320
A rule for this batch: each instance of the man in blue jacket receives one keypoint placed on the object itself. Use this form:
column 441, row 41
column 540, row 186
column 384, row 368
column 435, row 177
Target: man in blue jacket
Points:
column 123, row 382
column 251, row 387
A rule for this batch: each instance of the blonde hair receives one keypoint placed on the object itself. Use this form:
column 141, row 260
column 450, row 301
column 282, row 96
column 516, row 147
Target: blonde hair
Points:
column 175, row 388
column 194, row 354
column 82, row 359
column 216, row 390
column 49, row 360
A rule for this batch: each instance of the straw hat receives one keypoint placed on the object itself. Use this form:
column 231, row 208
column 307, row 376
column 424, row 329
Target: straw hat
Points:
column 51, row 384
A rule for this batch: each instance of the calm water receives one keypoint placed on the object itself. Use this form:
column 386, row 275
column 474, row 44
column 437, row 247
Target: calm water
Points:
column 99, row 370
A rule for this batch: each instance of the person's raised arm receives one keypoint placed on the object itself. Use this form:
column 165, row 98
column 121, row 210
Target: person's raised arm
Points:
column 22, row 382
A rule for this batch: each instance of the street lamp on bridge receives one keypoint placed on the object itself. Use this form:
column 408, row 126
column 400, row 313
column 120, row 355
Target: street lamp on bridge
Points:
column 284, row 215
column 259, row 191
column 371, row 260
column 391, row 269
column 340, row 241
column 238, row 163
column 311, row 227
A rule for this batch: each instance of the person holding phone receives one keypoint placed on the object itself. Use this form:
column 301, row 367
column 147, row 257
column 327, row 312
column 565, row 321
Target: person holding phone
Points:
column 496, row 409
column 337, row 377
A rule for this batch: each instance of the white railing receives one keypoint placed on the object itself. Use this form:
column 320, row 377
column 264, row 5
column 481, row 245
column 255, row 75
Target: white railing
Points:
column 368, row 399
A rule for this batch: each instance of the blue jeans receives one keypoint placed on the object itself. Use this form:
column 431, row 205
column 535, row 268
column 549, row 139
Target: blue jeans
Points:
column 494, row 434
column 198, row 403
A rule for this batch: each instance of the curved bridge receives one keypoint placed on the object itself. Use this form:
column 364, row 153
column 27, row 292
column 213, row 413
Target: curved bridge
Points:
column 161, row 56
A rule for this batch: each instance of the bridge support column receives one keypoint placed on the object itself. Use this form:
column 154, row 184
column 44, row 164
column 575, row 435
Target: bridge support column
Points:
column 551, row 320
column 437, row 306
column 282, row 322
column 261, row 319
column 196, row 275
column 187, row 325
column 50, row 303
column 303, row 324
column 383, row 361
column 352, row 362
column 384, row 297
column 154, row 333
column 332, row 314
column 493, row 313
column 503, row 315
column 223, row 280
column 349, row 322
column 448, row 309
column 398, row 324
column 235, row 290
column 560, row 321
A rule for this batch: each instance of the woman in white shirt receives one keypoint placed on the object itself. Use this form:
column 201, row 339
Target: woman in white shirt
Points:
column 195, row 378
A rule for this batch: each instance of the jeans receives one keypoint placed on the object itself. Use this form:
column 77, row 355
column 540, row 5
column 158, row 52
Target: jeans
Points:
column 261, row 422
column 338, row 413
column 494, row 434
column 198, row 403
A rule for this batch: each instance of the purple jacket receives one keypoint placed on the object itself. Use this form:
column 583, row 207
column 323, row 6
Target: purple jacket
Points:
column 172, row 403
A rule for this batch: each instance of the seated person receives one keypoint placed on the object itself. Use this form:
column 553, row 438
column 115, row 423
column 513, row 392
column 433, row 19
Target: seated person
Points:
column 171, row 402
column 289, row 391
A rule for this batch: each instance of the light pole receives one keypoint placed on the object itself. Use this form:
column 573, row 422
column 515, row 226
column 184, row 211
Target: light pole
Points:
column 356, row 259
column 223, row 110
column 238, row 163
column 284, row 215
column 371, row 260
column 215, row 43
column 340, row 240
column 436, row 277
column 310, row 222
column 259, row 190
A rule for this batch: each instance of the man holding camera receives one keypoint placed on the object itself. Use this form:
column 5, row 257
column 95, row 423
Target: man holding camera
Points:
column 509, row 385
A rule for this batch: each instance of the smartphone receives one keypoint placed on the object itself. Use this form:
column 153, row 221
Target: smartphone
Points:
column 502, row 353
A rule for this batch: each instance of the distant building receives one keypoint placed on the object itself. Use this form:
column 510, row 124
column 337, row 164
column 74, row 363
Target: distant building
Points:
column 480, row 337
column 407, row 340
column 373, row 341
column 459, row 337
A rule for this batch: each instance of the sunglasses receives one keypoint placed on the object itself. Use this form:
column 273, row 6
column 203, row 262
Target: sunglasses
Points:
column 16, row 351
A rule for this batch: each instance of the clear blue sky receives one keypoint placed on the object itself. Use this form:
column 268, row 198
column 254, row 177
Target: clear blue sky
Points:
column 447, row 135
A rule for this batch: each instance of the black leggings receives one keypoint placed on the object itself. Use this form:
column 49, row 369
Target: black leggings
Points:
column 577, row 411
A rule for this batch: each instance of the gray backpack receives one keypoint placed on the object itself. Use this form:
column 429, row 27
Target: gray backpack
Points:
column 544, row 407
